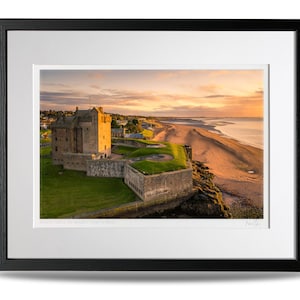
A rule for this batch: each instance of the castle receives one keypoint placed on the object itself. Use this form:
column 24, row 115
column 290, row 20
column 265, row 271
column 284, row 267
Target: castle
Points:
column 84, row 136
column 83, row 142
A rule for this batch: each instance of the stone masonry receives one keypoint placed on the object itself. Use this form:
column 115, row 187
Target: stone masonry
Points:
column 106, row 168
column 163, row 186
column 76, row 161
column 87, row 132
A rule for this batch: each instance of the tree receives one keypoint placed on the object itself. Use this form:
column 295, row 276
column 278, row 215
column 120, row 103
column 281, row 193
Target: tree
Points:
column 133, row 126
column 135, row 121
column 114, row 124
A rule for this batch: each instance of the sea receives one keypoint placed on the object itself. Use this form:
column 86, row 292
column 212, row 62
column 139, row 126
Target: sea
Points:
column 249, row 131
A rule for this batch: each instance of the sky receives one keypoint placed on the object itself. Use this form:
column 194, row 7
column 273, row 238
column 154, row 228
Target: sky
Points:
column 171, row 93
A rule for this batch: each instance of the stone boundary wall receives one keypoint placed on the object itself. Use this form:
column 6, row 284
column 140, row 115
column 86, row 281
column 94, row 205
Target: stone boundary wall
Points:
column 159, row 187
column 164, row 186
column 128, row 142
column 135, row 180
column 168, row 185
column 106, row 168
column 76, row 161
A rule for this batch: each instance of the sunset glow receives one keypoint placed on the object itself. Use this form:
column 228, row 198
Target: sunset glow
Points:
column 178, row 93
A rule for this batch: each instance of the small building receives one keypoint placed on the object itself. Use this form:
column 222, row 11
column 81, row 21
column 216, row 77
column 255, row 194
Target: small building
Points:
column 87, row 132
column 134, row 135
column 118, row 132
column 122, row 122
column 146, row 125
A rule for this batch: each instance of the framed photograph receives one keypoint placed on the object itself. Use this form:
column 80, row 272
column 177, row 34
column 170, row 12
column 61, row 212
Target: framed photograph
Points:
column 155, row 145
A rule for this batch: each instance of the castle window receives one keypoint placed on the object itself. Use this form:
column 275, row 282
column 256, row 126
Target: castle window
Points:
column 56, row 138
column 66, row 139
column 55, row 148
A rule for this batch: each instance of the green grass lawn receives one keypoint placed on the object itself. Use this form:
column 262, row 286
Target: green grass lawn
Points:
column 124, row 150
column 65, row 193
column 155, row 167
column 45, row 151
column 148, row 134
column 45, row 141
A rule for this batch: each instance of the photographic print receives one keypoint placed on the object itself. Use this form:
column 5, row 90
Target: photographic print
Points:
column 152, row 143
column 188, row 155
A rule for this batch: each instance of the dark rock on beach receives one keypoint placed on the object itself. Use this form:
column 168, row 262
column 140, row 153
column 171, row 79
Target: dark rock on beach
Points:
column 206, row 201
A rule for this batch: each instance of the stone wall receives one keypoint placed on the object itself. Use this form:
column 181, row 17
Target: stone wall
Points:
column 59, row 145
column 135, row 180
column 169, row 185
column 88, row 131
column 76, row 161
column 106, row 168
column 129, row 142
column 89, row 138
column 164, row 186
column 104, row 133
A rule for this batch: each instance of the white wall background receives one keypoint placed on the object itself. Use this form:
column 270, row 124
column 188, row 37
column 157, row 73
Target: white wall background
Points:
column 82, row 285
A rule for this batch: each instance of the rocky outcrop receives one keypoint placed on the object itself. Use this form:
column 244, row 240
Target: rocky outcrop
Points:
column 206, row 201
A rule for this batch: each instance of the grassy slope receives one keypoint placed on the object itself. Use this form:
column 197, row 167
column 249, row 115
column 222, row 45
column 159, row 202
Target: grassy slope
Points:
column 155, row 167
column 45, row 151
column 124, row 150
column 73, row 192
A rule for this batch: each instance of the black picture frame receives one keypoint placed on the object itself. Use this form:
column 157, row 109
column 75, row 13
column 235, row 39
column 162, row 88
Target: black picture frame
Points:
column 7, row 25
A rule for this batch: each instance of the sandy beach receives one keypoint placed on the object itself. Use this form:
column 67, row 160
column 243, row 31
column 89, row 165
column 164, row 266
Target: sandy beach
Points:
column 238, row 168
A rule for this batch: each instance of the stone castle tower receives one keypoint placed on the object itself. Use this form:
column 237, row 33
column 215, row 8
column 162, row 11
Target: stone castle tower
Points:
column 85, row 135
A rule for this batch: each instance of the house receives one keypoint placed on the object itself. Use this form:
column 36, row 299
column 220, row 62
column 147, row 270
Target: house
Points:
column 134, row 136
column 118, row 132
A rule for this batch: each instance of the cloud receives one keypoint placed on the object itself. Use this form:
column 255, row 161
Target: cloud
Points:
column 94, row 86
column 171, row 74
column 61, row 97
column 209, row 88
column 217, row 96
column 188, row 111
column 56, row 85
column 150, row 103
column 95, row 74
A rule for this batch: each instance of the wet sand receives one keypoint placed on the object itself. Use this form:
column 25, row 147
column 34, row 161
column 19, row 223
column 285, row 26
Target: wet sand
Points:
column 238, row 168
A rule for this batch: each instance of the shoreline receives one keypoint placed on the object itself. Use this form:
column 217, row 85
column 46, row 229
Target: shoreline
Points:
column 214, row 128
column 238, row 168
